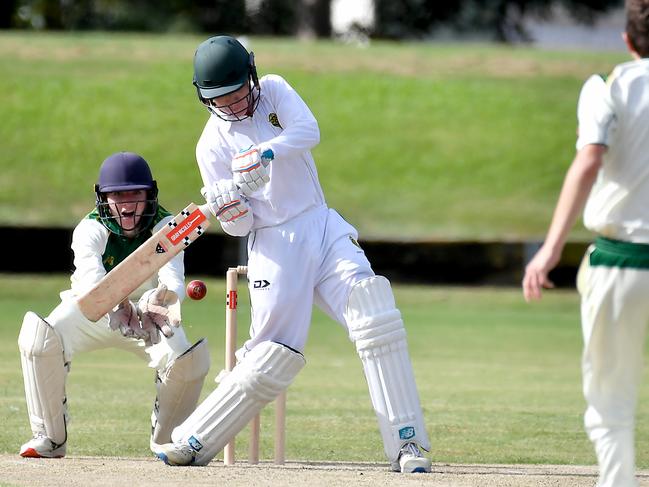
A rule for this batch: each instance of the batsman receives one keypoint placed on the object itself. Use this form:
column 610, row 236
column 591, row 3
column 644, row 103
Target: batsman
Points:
column 146, row 323
column 260, row 180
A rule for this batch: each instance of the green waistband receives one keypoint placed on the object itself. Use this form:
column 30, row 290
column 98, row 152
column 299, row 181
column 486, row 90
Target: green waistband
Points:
column 617, row 253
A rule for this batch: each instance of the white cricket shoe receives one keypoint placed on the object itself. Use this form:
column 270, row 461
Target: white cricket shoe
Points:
column 411, row 460
column 40, row 446
column 175, row 454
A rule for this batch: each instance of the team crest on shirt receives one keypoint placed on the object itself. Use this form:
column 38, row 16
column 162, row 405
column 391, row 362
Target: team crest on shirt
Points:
column 354, row 241
column 274, row 121
column 109, row 261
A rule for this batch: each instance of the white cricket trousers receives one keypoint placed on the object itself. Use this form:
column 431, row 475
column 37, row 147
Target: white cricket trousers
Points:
column 313, row 258
column 615, row 314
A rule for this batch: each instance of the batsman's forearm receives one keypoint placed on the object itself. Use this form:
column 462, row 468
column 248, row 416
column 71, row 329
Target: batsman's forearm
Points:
column 301, row 136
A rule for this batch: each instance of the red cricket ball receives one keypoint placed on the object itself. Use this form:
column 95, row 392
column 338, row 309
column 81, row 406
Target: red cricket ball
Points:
column 196, row 289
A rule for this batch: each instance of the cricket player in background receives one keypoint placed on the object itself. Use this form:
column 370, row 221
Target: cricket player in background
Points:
column 126, row 214
column 260, row 180
column 610, row 178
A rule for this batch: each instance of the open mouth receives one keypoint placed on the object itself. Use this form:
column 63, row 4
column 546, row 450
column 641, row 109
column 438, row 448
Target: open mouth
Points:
column 127, row 219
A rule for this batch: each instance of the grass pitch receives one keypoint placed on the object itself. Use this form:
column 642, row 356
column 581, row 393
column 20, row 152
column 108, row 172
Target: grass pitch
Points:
column 499, row 380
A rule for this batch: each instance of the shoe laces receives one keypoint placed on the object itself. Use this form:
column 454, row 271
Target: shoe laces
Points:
column 410, row 449
column 185, row 450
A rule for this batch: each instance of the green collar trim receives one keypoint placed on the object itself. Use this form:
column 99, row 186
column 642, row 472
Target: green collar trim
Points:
column 113, row 227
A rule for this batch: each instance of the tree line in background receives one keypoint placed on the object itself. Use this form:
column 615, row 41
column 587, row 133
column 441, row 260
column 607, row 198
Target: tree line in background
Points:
column 501, row 20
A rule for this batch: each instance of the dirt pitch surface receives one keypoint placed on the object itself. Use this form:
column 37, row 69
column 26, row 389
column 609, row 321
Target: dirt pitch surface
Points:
column 144, row 472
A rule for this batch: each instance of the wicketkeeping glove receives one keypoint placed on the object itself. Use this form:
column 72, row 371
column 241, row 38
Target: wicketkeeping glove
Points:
column 251, row 169
column 125, row 319
column 225, row 202
column 159, row 309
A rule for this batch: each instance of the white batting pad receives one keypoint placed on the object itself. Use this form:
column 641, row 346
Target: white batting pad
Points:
column 376, row 328
column 179, row 387
column 264, row 372
column 44, row 371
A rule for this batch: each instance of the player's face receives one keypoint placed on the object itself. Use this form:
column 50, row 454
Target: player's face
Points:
column 127, row 208
column 234, row 105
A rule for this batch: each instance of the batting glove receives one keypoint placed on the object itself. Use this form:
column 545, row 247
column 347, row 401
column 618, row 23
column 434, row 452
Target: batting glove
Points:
column 159, row 309
column 251, row 169
column 225, row 202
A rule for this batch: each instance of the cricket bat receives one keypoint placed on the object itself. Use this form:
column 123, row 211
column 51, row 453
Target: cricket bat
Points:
column 139, row 266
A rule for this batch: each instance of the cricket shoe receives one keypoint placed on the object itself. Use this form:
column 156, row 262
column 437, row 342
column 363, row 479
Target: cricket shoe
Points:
column 40, row 446
column 411, row 460
column 175, row 454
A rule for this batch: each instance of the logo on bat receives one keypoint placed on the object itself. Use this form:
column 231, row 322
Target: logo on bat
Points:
column 190, row 224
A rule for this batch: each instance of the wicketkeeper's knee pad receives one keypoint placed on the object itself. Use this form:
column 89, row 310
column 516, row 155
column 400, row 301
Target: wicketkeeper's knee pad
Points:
column 179, row 387
column 264, row 372
column 376, row 328
column 44, row 372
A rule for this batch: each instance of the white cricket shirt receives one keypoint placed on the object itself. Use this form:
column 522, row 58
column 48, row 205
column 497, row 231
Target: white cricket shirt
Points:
column 615, row 113
column 283, row 123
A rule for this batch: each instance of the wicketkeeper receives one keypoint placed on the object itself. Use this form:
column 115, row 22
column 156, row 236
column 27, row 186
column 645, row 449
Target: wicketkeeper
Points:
column 147, row 323
column 260, row 180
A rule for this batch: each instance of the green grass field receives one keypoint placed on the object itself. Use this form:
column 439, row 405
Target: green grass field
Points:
column 499, row 380
column 419, row 141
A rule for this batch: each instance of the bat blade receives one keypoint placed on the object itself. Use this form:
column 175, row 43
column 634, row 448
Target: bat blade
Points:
column 139, row 266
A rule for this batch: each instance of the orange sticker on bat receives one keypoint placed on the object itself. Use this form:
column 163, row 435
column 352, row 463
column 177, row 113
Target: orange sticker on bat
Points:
column 193, row 221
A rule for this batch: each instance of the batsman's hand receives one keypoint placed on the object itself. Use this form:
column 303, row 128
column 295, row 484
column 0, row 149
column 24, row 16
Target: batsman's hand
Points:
column 251, row 169
column 125, row 319
column 225, row 202
column 159, row 309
